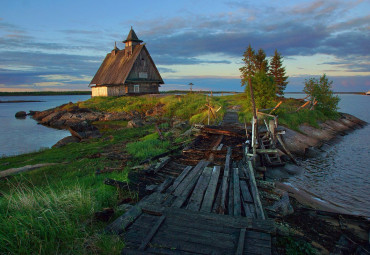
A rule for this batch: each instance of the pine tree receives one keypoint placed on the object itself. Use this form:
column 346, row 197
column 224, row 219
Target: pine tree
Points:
column 249, row 68
column 278, row 72
column 261, row 62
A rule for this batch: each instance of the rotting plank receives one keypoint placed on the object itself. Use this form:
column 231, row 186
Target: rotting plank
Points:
column 237, row 207
column 180, row 200
column 240, row 248
column 217, row 204
column 245, row 192
column 122, row 222
column 230, row 207
column 199, row 190
column 164, row 185
column 266, row 226
column 220, row 147
column 225, row 181
column 180, row 178
column 209, row 196
column 185, row 182
column 152, row 232
column 254, row 191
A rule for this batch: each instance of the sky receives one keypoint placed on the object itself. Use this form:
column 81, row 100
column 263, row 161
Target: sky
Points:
column 59, row 45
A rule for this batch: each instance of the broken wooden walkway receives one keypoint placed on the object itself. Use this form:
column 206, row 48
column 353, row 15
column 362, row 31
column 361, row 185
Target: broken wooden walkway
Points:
column 211, row 207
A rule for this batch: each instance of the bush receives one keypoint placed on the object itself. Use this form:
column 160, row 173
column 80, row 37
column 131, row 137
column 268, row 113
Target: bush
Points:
column 320, row 90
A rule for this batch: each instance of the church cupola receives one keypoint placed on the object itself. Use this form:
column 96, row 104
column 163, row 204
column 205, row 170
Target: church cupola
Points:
column 131, row 41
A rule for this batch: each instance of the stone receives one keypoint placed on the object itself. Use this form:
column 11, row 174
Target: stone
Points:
column 21, row 114
column 283, row 206
column 65, row 141
column 135, row 123
column 84, row 130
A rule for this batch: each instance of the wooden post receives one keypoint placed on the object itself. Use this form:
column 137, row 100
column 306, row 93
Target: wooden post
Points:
column 254, row 121
column 276, row 106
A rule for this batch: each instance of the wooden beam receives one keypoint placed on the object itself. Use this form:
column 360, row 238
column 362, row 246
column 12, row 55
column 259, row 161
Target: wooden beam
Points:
column 188, row 178
column 254, row 191
column 199, row 190
column 179, row 179
column 240, row 248
column 267, row 151
column 151, row 234
column 209, row 196
column 122, row 222
column 225, row 181
column 237, row 207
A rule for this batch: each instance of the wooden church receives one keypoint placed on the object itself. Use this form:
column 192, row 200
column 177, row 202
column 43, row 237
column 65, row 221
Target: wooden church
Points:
column 130, row 71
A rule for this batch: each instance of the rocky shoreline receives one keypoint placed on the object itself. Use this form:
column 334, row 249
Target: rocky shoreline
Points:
column 306, row 142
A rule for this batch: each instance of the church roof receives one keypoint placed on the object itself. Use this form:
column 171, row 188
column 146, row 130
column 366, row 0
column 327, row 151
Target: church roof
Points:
column 132, row 37
column 116, row 67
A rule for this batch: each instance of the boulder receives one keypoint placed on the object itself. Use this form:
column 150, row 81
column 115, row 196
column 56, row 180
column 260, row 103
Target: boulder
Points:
column 283, row 206
column 84, row 130
column 21, row 114
column 65, row 141
column 32, row 113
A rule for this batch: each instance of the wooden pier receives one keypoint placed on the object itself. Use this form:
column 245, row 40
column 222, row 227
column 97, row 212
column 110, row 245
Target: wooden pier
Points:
column 209, row 207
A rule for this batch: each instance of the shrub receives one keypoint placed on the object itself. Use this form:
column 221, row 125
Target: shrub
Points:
column 320, row 90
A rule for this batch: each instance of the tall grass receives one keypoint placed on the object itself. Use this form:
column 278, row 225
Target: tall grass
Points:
column 49, row 221
column 147, row 147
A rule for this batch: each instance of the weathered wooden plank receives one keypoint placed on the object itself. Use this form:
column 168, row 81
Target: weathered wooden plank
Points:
column 254, row 190
column 240, row 248
column 164, row 185
column 183, row 244
column 258, row 235
column 245, row 192
column 196, row 197
column 180, row 200
column 152, row 232
column 122, row 222
column 128, row 251
column 180, row 188
column 217, row 204
column 183, row 221
column 209, row 195
column 169, row 251
column 225, row 181
column 172, row 236
column 223, row 220
column 236, row 193
column 248, row 212
column 220, row 240
column 230, row 206
column 180, row 178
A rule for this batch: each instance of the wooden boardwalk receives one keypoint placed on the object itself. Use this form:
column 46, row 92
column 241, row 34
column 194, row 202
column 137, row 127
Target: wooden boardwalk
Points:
column 207, row 208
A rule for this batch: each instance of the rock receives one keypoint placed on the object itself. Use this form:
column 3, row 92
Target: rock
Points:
column 84, row 130
column 32, row 113
column 65, row 141
column 283, row 206
column 135, row 123
column 21, row 114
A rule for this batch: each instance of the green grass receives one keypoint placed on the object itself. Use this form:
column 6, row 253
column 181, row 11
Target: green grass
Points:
column 286, row 113
column 147, row 147
column 50, row 210
column 187, row 107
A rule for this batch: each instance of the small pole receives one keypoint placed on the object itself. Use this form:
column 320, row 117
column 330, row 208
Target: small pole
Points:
column 191, row 87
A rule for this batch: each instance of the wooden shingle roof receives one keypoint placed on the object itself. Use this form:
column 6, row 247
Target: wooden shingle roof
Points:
column 116, row 67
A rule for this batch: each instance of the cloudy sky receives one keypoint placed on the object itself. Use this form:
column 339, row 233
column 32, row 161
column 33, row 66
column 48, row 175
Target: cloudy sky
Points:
column 60, row 44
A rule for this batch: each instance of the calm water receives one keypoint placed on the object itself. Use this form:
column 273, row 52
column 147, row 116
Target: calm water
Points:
column 19, row 136
column 341, row 174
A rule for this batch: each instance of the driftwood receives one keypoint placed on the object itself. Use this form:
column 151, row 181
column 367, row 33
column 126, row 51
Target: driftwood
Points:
column 22, row 169
column 220, row 132
column 159, row 132
column 286, row 149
